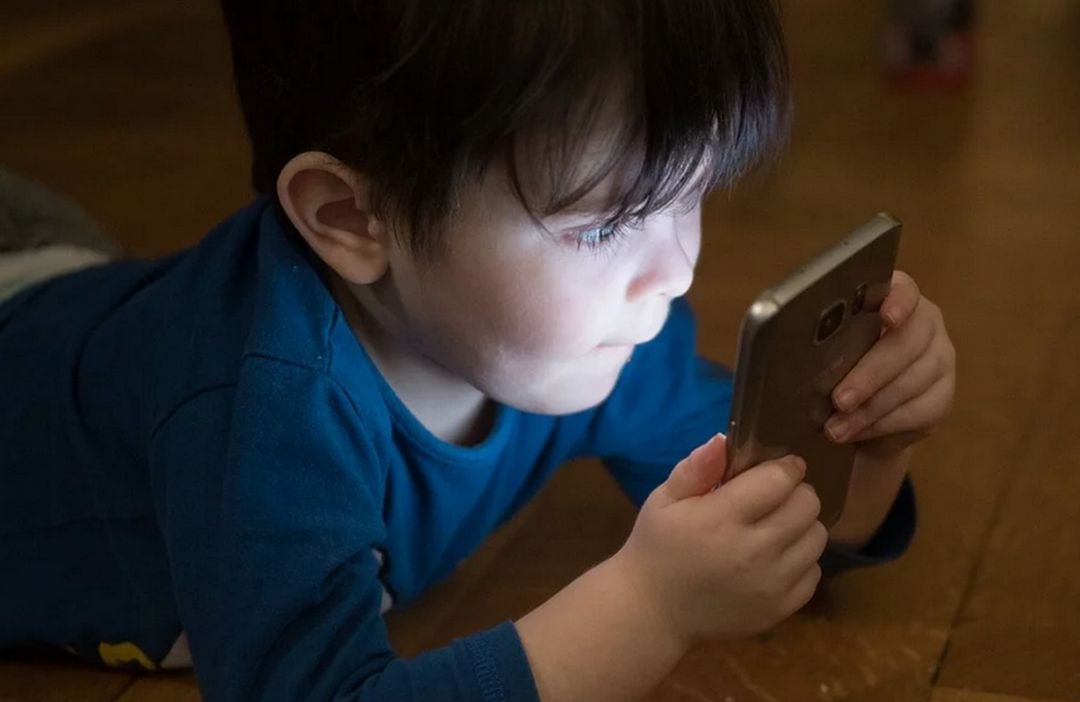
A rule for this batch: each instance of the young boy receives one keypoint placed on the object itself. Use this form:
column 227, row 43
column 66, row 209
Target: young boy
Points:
column 465, row 266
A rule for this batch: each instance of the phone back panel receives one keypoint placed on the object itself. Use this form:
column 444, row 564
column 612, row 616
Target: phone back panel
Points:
column 784, row 375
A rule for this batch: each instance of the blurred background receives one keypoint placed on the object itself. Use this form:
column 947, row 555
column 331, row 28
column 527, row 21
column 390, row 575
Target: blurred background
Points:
column 126, row 106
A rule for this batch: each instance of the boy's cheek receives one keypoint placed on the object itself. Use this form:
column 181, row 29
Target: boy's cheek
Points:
column 547, row 330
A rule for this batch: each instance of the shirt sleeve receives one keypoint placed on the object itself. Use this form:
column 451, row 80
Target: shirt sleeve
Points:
column 669, row 401
column 269, row 503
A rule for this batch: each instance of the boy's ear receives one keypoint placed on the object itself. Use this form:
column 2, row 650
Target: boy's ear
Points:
column 330, row 205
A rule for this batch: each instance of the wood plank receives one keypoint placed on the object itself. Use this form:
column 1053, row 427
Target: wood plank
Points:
column 162, row 687
column 945, row 694
column 1017, row 631
column 140, row 127
column 29, row 35
column 1013, row 634
column 31, row 677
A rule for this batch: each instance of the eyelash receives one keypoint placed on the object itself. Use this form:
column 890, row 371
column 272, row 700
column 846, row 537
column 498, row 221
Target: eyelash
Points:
column 614, row 234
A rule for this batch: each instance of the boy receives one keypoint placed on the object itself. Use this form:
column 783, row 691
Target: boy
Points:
column 466, row 265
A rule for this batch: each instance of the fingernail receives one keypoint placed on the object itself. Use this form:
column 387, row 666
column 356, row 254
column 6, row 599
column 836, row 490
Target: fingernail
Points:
column 837, row 428
column 846, row 400
column 891, row 315
column 799, row 463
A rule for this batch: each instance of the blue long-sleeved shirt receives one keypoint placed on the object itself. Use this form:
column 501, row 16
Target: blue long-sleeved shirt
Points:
column 197, row 449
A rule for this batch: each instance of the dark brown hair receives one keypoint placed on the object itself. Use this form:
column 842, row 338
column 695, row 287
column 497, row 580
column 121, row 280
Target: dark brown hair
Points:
column 422, row 95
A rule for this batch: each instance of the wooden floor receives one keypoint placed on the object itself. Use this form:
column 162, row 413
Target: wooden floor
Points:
column 126, row 106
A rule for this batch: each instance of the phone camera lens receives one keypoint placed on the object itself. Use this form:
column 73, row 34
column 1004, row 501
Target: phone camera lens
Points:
column 830, row 321
column 860, row 299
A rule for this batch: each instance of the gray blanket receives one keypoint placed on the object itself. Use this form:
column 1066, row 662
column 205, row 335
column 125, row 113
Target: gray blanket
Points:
column 32, row 216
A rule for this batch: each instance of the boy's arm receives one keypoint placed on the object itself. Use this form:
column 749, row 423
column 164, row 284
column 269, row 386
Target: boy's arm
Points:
column 598, row 640
column 876, row 482
column 269, row 529
column 878, row 522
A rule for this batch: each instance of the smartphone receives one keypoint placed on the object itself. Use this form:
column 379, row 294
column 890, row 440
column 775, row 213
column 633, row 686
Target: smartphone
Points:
column 797, row 341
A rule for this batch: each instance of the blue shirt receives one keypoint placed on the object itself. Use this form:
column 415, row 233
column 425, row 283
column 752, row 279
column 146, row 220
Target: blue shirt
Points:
column 199, row 444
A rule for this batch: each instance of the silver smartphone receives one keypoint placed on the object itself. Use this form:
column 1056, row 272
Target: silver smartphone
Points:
column 797, row 341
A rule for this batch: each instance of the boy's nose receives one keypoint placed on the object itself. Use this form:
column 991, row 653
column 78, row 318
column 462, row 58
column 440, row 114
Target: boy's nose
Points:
column 668, row 266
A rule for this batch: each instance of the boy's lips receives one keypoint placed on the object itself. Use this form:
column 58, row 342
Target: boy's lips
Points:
column 643, row 340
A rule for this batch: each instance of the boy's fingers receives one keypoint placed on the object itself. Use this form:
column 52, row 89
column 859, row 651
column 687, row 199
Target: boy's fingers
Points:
column 889, row 356
column 698, row 473
column 919, row 414
column 790, row 521
column 757, row 492
column 901, row 301
column 912, row 382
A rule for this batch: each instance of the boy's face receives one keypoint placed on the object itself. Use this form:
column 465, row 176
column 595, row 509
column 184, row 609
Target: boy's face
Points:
column 542, row 322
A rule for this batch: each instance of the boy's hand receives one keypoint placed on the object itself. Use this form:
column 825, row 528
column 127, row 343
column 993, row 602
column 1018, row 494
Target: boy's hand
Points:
column 903, row 387
column 729, row 562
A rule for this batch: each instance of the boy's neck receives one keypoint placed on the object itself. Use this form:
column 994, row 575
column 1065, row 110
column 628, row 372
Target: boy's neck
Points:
column 449, row 407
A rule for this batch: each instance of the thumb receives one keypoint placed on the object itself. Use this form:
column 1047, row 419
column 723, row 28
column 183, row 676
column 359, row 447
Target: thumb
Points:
column 696, row 474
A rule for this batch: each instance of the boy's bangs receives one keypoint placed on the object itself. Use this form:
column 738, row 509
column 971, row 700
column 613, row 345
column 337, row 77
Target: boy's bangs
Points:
column 691, row 96
column 421, row 96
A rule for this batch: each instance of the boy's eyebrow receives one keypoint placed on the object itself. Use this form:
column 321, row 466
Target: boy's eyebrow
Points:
column 594, row 205
column 682, row 204
column 587, row 206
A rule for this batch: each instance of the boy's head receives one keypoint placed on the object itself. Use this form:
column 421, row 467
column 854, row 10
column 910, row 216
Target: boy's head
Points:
column 510, row 189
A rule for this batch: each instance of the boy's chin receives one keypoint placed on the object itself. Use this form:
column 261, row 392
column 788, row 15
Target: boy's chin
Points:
column 578, row 397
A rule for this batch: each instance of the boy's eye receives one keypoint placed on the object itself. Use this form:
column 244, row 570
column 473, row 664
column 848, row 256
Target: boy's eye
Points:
column 598, row 237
